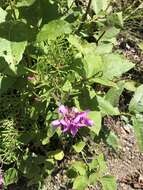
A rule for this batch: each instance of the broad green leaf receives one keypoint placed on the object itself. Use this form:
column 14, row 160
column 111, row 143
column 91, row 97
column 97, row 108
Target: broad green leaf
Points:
column 113, row 95
column 54, row 29
column 102, row 164
column 12, row 51
column 115, row 65
column 93, row 64
column 113, row 141
column 110, row 35
column 138, row 128
column 93, row 178
column 78, row 147
column 80, row 167
column 131, row 85
column 115, row 19
column 106, row 108
column 97, row 118
column 6, row 83
column 99, row 5
column 3, row 15
column 104, row 48
column 93, row 165
column 80, row 183
column 136, row 103
column 108, row 183
column 59, row 155
column 10, row 176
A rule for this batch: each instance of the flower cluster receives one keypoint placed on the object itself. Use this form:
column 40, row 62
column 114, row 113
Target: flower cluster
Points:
column 72, row 120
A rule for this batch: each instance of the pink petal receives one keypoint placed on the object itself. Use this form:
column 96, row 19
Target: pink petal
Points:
column 73, row 130
column 88, row 122
column 80, row 116
column 56, row 123
column 63, row 109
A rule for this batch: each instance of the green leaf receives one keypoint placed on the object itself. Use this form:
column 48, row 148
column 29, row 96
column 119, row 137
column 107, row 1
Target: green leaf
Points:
column 138, row 128
column 105, row 82
column 24, row 3
column 97, row 118
column 131, row 85
column 113, row 141
column 99, row 5
column 113, row 95
column 54, row 29
column 93, row 64
column 104, row 48
column 12, row 51
column 136, row 103
column 102, row 164
column 110, row 70
column 78, row 147
column 93, row 165
column 110, row 35
column 93, row 178
column 140, row 45
column 80, row 183
column 58, row 154
column 108, row 183
column 106, row 108
column 6, row 83
column 80, row 167
column 115, row 19
column 10, row 176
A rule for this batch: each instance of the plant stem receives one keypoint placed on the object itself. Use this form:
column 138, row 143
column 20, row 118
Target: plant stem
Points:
column 84, row 16
column 12, row 9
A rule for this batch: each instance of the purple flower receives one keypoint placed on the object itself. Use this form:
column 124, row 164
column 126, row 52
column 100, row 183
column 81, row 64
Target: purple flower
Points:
column 72, row 120
column 1, row 179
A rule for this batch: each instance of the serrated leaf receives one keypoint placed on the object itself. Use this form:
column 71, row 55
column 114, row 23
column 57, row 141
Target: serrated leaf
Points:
column 108, row 183
column 136, row 103
column 106, row 108
column 78, row 147
column 138, row 128
column 97, row 118
column 80, row 183
column 10, row 176
column 54, row 29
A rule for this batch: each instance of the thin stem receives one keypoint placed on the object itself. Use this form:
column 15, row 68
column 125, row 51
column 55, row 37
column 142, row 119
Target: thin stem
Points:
column 12, row 9
column 84, row 16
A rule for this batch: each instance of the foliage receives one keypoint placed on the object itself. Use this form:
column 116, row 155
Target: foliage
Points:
column 48, row 59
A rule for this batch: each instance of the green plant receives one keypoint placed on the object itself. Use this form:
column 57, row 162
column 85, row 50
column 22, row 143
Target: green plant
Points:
column 47, row 59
